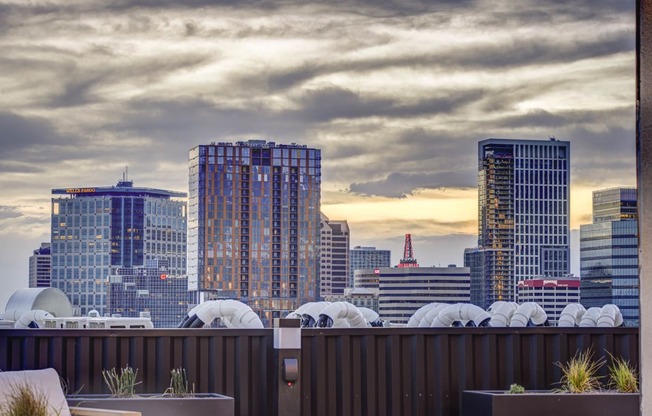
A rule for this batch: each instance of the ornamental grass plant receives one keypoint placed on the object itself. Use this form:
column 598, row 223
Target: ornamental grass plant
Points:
column 24, row 401
column 623, row 377
column 121, row 384
column 179, row 386
column 580, row 374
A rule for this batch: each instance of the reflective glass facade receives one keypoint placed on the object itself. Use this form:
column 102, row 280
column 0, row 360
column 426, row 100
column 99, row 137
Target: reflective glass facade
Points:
column 152, row 289
column 609, row 254
column 474, row 260
column 524, row 204
column 368, row 258
column 95, row 231
column 39, row 267
column 254, row 218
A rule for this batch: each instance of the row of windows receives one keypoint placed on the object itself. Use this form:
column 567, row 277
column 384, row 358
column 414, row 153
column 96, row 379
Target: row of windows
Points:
column 245, row 150
column 534, row 178
column 539, row 151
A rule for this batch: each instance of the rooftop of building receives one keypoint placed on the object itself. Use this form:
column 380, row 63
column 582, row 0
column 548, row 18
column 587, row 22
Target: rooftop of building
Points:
column 123, row 188
column 258, row 143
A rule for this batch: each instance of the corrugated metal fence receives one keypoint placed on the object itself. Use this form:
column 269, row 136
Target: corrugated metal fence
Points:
column 377, row 371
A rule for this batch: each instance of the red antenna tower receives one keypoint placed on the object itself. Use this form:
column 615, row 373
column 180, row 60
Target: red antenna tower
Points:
column 408, row 259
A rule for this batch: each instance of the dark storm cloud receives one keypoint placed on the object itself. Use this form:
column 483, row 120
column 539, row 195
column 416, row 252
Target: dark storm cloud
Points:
column 192, row 118
column 486, row 55
column 400, row 185
column 610, row 150
column 375, row 8
column 541, row 118
column 80, row 84
column 8, row 212
column 18, row 134
column 332, row 103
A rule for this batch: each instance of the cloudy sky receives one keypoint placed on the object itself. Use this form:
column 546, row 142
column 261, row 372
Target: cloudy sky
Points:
column 395, row 93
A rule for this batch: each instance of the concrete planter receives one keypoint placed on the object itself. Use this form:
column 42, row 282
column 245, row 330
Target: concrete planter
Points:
column 156, row 405
column 546, row 403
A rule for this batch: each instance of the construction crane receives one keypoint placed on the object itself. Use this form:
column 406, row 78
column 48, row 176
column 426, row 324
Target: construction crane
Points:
column 408, row 259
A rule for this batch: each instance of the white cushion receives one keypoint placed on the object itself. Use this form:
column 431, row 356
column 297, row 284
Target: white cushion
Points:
column 43, row 382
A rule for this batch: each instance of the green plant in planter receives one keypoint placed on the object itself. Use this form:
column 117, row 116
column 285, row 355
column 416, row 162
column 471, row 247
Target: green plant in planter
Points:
column 580, row 373
column 23, row 401
column 122, row 384
column 623, row 377
column 516, row 389
column 179, row 384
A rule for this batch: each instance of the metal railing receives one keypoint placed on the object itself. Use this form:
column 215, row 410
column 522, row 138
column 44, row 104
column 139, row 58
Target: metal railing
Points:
column 376, row 371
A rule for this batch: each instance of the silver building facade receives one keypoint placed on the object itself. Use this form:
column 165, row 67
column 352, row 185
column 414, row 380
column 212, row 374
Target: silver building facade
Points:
column 609, row 253
column 403, row 290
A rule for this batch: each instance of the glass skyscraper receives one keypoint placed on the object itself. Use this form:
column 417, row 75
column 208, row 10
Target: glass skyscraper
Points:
column 97, row 230
column 368, row 258
column 524, row 203
column 254, row 224
column 39, row 267
column 609, row 253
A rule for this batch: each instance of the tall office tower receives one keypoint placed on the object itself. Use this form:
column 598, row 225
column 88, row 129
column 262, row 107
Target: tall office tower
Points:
column 334, row 257
column 253, row 232
column 39, row 266
column 524, row 204
column 149, row 289
column 96, row 231
column 368, row 258
column 609, row 253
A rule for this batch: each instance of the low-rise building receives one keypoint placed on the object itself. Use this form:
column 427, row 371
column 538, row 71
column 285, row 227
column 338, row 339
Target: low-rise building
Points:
column 553, row 295
column 403, row 290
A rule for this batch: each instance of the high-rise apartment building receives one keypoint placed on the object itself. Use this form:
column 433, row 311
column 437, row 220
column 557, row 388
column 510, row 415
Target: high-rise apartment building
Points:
column 254, row 224
column 334, row 257
column 524, row 204
column 97, row 230
column 368, row 258
column 609, row 253
column 39, row 266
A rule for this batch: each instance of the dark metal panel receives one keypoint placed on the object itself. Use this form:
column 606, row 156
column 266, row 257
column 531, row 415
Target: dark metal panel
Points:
column 243, row 379
column 230, row 368
column 345, row 375
column 381, row 371
column 445, row 365
column 94, row 381
column 357, row 365
column 369, row 358
column 420, row 375
column 309, row 372
column 433, row 382
column 201, row 374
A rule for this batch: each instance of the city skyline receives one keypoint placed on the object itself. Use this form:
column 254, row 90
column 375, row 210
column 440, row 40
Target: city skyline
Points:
column 396, row 95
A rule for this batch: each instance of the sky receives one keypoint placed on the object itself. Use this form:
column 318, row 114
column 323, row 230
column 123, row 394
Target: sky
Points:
column 397, row 95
